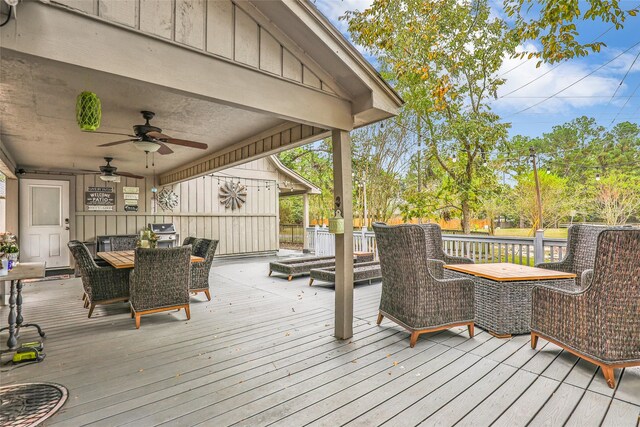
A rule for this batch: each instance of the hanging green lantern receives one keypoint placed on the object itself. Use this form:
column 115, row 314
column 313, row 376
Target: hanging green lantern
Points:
column 88, row 111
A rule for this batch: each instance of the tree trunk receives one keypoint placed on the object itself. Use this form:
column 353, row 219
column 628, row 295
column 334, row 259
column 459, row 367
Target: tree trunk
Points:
column 466, row 217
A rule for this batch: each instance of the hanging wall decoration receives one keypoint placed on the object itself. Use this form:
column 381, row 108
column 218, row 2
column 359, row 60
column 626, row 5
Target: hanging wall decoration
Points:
column 88, row 111
column 232, row 195
column 167, row 199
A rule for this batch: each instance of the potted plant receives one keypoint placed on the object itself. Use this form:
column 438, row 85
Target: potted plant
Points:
column 147, row 239
column 9, row 249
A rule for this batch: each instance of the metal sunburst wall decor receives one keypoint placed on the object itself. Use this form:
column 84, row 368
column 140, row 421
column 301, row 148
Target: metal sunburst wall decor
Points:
column 167, row 199
column 232, row 195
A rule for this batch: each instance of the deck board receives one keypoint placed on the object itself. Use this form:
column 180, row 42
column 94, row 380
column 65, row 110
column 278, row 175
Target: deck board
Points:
column 262, row 352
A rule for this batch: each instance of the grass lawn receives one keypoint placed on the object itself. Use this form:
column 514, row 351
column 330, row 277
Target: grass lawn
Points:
column 552, row 233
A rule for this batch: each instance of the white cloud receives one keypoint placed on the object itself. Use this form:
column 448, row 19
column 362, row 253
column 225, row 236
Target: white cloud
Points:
column 591, row 91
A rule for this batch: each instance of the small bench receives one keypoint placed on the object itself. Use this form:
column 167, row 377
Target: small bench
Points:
column 361, row 271
column 301, row 266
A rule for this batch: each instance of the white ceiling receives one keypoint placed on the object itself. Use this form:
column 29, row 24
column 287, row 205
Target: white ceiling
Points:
column 38, row 126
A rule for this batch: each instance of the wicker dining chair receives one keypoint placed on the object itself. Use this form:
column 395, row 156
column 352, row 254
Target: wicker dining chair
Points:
column 581, row 252
column 160, row 281
column 414, row 293
column 189, row 241
column 102, row 285
column 204, row 248
column 123, row 243
column 435, row 251
column 601, row 322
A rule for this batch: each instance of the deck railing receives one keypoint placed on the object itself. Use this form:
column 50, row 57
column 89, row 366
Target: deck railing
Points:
column 481, row 249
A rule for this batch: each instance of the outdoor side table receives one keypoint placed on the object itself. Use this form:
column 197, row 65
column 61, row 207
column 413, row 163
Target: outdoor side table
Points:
column 503, row 293
column 22, row 270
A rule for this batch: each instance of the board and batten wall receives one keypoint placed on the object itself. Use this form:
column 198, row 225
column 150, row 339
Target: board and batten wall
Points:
column 251, row 229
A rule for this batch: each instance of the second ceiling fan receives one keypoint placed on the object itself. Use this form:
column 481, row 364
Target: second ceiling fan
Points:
column 150, row 138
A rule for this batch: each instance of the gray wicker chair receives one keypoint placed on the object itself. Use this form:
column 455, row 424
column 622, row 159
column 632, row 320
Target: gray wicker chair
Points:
column 160, row 281
column 123, row 243
column 433, row 234
column 601, row 322
column 581, row 252
column 414, row 293
column 189, row 241
column 102, row 285
column 206, row 249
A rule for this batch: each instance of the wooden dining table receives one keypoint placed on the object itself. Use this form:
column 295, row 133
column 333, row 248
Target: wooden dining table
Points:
column 126, row 259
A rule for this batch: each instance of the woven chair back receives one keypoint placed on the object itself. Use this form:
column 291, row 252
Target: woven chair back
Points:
column 161, row 277
column 123, row 243
column 82, row 256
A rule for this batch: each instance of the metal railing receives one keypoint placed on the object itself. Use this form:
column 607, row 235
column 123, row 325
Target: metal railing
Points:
column 291, row 233
column 481, row 249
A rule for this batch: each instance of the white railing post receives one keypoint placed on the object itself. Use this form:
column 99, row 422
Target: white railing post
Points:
column 365, row 243
column 538, row 247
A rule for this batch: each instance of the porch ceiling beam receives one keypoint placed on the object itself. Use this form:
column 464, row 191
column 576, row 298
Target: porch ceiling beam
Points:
column 60, row 34
column 280, row 138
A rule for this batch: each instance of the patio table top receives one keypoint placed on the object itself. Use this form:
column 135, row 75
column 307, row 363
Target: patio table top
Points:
column 125, row 259
column 507, row 272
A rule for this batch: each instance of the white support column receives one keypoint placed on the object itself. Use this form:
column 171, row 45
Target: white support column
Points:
column 305, row 222
column 343, row 242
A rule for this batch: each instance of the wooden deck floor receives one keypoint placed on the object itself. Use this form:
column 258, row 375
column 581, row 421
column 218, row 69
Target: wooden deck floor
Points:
column 262, row 353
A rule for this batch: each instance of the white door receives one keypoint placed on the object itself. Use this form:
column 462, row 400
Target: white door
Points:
column 44, row 222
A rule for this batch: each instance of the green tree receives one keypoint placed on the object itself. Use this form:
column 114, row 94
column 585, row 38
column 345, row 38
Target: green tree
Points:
column 618, row 198
column 553, row 23
column 443, row 57
column 556, row 200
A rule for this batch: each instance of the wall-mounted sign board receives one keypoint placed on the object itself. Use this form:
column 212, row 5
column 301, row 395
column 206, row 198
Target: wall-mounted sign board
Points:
column 130, row 208
column 100, row 198
column 130, row 196
column 101, row 189
column 130, row 202
column 130, row 190
column 100, row 208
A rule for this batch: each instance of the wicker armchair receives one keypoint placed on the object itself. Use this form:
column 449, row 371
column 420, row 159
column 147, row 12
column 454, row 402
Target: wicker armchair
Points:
column 123, row 243
column 581, row 252
column 601, row 322
column 433, row 234
column 160, row 281
column 206, row 249
column 102, row 285
column 189, row 241
column 414, row 295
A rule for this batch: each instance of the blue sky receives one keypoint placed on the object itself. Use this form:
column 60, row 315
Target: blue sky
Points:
column 591, row 96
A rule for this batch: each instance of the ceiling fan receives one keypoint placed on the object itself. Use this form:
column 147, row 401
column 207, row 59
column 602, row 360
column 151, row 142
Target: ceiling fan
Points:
column 150, row 138
column 110, row 173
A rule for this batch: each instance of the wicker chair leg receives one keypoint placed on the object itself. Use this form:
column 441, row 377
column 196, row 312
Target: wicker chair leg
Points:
column 380, row 317
column 270, row 273
column 137, row 321
column 470, row 328
column 86, row 303
column 289, row 278
column 310, row 281
column 414, row 338
column 91, row 309
column 208, row 294
column 133, row 313
column 188, row 310
column 534, row 340
column 609, row 376
column 84, row 297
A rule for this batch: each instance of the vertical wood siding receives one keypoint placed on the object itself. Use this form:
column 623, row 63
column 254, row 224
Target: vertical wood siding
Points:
column 218, row 27
column 250, row 229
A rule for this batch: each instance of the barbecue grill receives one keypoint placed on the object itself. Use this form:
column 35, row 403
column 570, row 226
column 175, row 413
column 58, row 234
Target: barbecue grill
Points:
column 167, row 235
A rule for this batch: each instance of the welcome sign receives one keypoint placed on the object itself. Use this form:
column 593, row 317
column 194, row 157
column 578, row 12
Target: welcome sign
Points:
column 100, row 198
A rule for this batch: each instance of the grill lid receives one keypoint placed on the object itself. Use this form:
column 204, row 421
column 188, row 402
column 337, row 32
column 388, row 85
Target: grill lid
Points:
column 163, row 228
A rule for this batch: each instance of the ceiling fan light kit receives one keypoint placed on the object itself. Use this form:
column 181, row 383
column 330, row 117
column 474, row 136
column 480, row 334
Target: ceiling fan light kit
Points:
column 88, row 111
column 109, row 178
column 147, row 146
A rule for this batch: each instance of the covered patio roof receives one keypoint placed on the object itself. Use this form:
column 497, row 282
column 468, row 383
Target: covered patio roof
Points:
column 248, row 78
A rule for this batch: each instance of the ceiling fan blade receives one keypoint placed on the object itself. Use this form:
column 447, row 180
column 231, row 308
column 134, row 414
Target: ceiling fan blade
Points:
column 109, row 133
column 129, row 175
column 186, row 143
column 164, row 149
column 117, row 142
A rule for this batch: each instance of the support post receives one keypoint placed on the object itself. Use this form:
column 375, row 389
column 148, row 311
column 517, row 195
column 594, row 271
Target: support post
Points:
column 342, row 188
column 305, row 222
column 538, row 247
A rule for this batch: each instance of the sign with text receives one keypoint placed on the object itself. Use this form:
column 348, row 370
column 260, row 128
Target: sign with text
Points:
column 130, row 208
column 100, row 208
column 131, row 190
column 101, row 189
column 100, row 198
column 130, row 202
column 130, row 196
